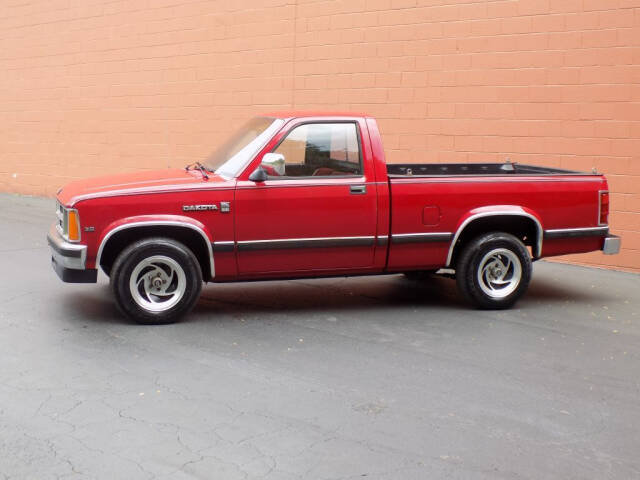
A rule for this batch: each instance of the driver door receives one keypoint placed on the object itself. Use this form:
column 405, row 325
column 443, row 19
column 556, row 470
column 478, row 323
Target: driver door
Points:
column 319, row 216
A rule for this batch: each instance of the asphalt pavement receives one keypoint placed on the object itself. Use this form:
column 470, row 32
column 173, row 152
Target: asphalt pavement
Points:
column 348, row 378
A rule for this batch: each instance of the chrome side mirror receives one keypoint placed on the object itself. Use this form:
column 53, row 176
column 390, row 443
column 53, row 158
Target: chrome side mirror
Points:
column 273, row 163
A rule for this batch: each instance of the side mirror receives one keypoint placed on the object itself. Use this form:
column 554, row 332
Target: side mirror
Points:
column 258, row 175
column 273, row 163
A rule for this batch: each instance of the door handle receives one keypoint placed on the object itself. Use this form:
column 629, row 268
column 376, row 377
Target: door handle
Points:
column 357, row 189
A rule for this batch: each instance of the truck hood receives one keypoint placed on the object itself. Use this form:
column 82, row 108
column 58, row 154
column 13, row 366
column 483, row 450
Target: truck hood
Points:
column 153, row 181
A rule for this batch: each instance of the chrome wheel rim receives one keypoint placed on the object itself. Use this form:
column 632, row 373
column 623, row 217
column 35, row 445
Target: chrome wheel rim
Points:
column 157, row 283
column 499, row 273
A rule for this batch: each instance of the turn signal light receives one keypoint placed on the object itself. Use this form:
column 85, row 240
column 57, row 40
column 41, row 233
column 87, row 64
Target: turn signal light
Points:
column 74, row 226
column 604, row 208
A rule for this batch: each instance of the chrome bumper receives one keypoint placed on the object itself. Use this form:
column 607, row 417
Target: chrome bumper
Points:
column 66, row 254
column 611, row 245
column 69, row 260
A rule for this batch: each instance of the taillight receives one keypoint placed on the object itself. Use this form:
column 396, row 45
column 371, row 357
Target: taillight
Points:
column 603, row 218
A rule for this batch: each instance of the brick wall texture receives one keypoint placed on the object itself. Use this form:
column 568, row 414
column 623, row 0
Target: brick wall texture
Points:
column 93, row 87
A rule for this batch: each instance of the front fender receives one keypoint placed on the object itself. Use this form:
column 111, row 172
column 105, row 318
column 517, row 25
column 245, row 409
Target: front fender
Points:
column 180, row 221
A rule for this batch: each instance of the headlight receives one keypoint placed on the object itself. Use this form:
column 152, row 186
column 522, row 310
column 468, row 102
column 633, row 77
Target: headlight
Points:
column 68, row 223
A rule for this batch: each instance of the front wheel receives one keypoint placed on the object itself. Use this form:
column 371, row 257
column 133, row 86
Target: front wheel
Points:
column 156, row 281
column 494, row 270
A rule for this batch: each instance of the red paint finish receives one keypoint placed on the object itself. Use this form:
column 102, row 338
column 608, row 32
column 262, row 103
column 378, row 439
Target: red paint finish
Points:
column 138, row 182
column 384, row 194
column 109, row 212
column 371, row 231
column 563, row 245
column 561, row 202
column 304, row 209
column 431, row 216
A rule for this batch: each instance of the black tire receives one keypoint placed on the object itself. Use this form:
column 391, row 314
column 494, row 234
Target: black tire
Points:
column 477, row 267
column 169, row 263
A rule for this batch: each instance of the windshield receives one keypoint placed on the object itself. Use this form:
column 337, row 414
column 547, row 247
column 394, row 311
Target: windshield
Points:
column 231, row 157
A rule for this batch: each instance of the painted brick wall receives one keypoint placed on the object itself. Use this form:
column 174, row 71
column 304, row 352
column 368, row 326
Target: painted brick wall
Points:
column 91, row 87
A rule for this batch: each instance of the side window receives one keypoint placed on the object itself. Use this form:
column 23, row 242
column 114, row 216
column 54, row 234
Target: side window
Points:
column 321, row 150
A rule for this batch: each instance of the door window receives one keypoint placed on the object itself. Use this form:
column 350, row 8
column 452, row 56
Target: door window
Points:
column 321, row 150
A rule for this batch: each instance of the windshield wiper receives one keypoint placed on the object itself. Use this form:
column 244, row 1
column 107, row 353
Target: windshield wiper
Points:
column 200, row 167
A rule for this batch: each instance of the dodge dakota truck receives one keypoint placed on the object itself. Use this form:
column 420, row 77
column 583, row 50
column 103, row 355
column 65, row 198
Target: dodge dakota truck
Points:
column 294, row 195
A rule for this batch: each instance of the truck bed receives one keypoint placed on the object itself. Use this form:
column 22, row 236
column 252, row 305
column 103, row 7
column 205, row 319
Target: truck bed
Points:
column 450, row 169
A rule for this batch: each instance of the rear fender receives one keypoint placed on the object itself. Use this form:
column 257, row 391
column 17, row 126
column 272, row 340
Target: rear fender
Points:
column 497, row 211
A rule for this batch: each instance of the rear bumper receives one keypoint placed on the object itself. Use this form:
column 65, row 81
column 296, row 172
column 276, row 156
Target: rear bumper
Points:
column 611, row 245
column 69, row 259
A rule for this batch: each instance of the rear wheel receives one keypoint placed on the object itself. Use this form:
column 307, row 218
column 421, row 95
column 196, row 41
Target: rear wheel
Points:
column 156, row 281
column 494, row 270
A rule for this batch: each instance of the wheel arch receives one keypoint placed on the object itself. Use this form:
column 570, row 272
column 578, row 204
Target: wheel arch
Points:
column 188, row 231
column 527, row 227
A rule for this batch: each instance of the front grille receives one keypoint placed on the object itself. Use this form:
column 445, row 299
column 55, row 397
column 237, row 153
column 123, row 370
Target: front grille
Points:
column 61, row 224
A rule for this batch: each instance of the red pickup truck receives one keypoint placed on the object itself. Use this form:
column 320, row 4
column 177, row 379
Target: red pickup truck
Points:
column 293, row 195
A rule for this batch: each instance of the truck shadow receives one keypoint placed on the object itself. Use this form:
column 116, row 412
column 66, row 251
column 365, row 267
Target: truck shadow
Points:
column 95, row 305
column 322, row 295
column 435, row 294
column 363, row 294
column 290, row 296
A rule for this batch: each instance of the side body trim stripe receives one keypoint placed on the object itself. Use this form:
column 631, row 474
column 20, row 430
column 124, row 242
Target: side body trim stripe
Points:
column 576, row 232
column 328, row 242
column 223, row 246
column 434, row 237
column 291, row 243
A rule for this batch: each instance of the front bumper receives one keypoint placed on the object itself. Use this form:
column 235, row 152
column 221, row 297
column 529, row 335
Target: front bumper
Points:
column 611, row 245
column 69, row 259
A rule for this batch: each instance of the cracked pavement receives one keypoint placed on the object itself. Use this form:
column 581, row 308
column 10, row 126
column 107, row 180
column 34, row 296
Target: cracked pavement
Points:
column 373, row 377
